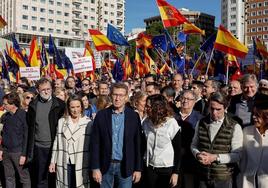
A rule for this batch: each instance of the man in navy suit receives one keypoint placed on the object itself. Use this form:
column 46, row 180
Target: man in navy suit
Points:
column 115, row 143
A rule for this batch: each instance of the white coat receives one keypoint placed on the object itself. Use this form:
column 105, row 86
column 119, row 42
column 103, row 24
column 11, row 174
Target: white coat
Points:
column 254, row 159
column 72, row 144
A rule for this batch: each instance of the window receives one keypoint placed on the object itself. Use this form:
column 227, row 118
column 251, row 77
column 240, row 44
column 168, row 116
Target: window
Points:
column 92, row 26
column 25, row 17
column 42, row 29
column 233, row 9
column 42, row 10
column 233, row 16
column 42, row 19
column 106, row 4
column 67, row 5
column 51, row 2
column 59, row 3
column 112, row 5
column 25, row 27
column 86, row 25
column 34, row 18
column 265, row 36
column 34, row 8
column 66, row 14
column 253, row 5
column 112, row 22
column 259, row 13
column 34, row 28
column 58, row 22
column 51, row 11
column 58, row 12
column 253, row 21
column 265, row 12
column 85, row 17
column 259, row 4
column 112, row 14
column 86, row 8
column 43, row 1
column 58, row 31
column 50, row 30
column 25, row 7
column 66, row 32
column 233, row 24
column 105, row 12
column 50, row 20
column 92, row 18
column 253, row 29
column 259, row 28
column 266, row 3
column 93, row 1
column 265, row 28
column 253, row 13
column 92, row 10
column 265, row 20
column 105, row 20
column 259, row 21
column 233, row 1
column 66, row 23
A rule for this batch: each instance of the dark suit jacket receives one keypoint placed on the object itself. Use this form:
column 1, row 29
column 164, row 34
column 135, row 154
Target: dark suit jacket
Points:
column 101, row 142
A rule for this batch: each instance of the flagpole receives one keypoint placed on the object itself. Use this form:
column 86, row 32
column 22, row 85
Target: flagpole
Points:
column 162, row 58
column 227, row 74
column 210, row 58
column 197, row 61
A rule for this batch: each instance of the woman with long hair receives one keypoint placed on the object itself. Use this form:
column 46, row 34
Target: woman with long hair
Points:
column 253, row 165
column 162, row 156
column 138, row 102
column 26, row 98
column 70, row 151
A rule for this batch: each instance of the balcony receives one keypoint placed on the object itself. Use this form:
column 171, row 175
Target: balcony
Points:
column 76, row 27
column 77, row 2
column 119, row 5
column 119, row 13
column 76, row 18
column 77, row 10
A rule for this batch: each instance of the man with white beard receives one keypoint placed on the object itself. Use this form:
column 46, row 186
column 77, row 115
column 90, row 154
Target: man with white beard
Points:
column 42, row 118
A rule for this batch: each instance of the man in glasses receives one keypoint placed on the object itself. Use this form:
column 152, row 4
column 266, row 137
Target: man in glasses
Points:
column 42, row 118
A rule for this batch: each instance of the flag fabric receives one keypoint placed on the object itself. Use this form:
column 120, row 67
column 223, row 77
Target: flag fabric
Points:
column 232, row 61
column 261, row 48
column 208, row 45
column 256, row 52
column 182, row 37
column 3, row 23
column 190, row 28
column 116, row 36
column 127, row 67
column 139, row 66
column 18, row 53
column 170, row 15
column 148, row 61
column 68, row 65
column 227, row 43
column 165, row 68
column 237, row 75
column 4, row 71
column 35, row 56
column 53, row 51
column 118, row 72
column 88, row 52
column 160, row 42
column 144, row 40
column 11, row 65
column 44, row 60
column 100, row 41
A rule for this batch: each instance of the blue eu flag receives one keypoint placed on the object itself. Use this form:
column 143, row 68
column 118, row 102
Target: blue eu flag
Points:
column 160, row 41
column 115, row 36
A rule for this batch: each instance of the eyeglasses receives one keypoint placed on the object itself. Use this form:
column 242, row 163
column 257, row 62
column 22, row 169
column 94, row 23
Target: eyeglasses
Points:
column 28, row 97
column 188, row 99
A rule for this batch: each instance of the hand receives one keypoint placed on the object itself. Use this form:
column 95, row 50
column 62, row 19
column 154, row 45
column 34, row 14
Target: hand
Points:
column 174, row 180
column 97, row 176
column 52, row 168
column 22, row 160
column 136, row 177
column 1, row 155
column 206, row 158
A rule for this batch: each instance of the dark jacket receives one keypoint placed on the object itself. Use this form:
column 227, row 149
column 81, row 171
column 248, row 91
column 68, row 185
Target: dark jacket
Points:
column 56, row 112
column 15, row 132
column 101, row 142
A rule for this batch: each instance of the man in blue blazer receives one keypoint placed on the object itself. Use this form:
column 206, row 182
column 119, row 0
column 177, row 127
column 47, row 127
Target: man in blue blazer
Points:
column 115, row 143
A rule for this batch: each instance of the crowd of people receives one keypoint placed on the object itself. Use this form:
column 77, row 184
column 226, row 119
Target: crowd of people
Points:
column 150, row 132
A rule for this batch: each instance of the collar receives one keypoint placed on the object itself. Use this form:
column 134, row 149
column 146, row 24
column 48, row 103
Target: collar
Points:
column 114, row 112
column 217, row 121
column 43, row 100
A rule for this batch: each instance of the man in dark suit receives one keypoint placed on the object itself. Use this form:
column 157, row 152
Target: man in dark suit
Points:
column 115, row 143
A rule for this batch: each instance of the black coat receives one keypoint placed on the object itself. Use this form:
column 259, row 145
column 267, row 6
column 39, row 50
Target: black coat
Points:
column 101, row 142
column 55, row 113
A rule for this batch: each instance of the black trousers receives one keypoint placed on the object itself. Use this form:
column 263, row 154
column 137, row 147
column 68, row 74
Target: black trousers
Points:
column 157, row 177
column 71, row 176
column 11, row 166
column 39, row 170
column 216, row 184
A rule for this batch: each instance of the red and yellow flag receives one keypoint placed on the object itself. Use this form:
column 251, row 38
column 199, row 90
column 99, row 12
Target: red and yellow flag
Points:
column 150, row 65
column 88, row 52
column 35, row 55
column 227, row 43
column 16, row 57
column 232, row 61
column 170, row 15
column 100, row 41
column 190, row 28
column 144, row 40
column 261, row 48
column 165, row 68
column 139, row 66
column 127, row 67
column 3, row 23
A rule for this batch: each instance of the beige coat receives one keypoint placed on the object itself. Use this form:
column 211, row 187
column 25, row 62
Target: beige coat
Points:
column 254, row 159
column 73, row 144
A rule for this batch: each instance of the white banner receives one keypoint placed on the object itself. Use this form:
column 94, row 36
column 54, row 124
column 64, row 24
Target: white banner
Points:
column 98, row 60
column 32, row 73
column 82, row 64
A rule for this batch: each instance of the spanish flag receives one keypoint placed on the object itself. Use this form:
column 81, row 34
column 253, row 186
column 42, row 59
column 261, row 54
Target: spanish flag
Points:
column 144, row 40
column 100, row 41
column 35, row 55
column 88, row 52
column 127, row 67
column 150, row 65
column 232, row 61
column 170, row 15
column 190, row 28
column 3, row 23
column 261, row 48
column 227, row 43
column 139, row 66
column 165, row 68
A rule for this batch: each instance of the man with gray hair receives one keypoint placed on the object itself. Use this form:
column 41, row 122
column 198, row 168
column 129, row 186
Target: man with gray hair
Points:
column 241, row 105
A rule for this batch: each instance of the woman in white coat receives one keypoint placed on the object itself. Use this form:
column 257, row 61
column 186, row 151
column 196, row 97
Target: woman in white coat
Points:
column 254, row 165
column 70, row 154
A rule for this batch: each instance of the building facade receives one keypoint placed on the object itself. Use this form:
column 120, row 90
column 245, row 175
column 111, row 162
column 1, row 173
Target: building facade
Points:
column 67, row 21
column 202, row 20
column 233, row 17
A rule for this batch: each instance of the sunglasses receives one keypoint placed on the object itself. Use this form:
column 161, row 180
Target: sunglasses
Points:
column 28, row 97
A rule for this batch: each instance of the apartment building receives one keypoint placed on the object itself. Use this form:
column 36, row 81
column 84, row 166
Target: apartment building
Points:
column 67, row 21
